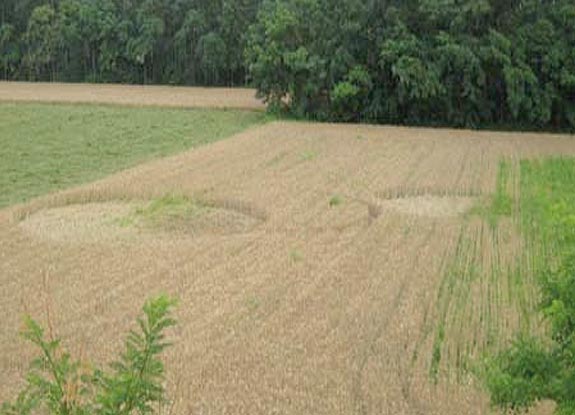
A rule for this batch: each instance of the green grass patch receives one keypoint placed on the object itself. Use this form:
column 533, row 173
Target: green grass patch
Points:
column 500, row 204
column 489, row 270
column 548, row 210
column 540, row 366
column 295, row 255
column 335, row 201
column 164, row 211
column 308, row 156
column 453, row 284
column 47, row 147
column 436, row 353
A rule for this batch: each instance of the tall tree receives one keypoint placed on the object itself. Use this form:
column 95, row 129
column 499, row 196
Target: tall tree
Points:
column 42, row 38
column 445, row 62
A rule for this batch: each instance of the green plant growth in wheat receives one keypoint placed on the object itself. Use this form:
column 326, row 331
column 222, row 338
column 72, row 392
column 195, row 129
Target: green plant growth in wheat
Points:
column 453, row 284
column 308, row 155
column 500, row 203
column 436, row 353
column 335, row 201
column 296, row 255
column 57, row 384
column 165, row 210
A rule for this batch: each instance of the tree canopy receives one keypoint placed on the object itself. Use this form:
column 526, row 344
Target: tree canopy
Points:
column 190, row 42
column 446, row 62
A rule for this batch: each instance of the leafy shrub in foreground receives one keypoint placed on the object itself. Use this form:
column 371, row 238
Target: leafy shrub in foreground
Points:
column 531, row 370
column 59, row 385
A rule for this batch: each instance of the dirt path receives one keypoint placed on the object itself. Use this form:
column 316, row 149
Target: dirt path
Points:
column 318, row 308
column 136, row 95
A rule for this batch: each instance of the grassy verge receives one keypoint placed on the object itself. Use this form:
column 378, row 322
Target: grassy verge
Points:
column 548, row 209
column 500, row 204
column 50, row 147
column 510, row 244
column 540, row 366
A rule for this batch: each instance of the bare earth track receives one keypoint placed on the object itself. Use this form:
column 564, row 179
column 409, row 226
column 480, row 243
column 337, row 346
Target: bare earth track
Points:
column 135, row 95
column 288, row 304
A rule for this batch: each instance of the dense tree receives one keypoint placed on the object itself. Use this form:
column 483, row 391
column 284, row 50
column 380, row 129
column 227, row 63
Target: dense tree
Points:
column 445, row 62
column 9, row 51
column 302, row 48
column 541, row 368
column 135, row 41
column 42, row 39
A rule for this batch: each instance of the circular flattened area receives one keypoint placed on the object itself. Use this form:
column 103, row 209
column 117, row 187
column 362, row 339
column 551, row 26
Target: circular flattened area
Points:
column 90, row 222
column 427, row 206
column 131, row 221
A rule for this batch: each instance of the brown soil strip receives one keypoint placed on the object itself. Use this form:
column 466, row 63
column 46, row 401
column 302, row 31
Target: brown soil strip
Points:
column 132, row 95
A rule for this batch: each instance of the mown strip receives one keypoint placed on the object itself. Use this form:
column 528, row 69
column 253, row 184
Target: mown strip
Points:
column 51, row 147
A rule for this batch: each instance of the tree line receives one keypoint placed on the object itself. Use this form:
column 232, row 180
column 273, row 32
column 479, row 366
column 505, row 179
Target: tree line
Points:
column 187, row 42
column 472, row 63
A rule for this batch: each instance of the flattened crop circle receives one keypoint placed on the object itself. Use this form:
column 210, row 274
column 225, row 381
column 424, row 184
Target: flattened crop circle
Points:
column 137, row 220
column 424, row 206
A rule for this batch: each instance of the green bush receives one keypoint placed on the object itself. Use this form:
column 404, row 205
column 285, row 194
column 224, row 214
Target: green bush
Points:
column 467, row 63
column 532, row 370
column 59, row 385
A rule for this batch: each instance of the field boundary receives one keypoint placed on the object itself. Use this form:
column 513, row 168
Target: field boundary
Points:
column 132, row 95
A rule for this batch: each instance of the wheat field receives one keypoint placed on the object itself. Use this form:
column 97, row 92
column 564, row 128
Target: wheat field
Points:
column 310, row 283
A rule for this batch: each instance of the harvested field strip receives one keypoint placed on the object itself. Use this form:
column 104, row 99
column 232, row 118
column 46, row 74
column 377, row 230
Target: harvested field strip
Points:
column 136, row 221
column 132, row 95
column 46, row 148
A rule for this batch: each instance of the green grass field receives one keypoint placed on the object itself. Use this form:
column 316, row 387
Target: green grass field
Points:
column 514, row 240
column 50, row 147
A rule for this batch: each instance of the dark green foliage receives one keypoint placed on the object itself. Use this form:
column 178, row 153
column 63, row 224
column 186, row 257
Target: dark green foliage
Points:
column 472, row 63
column 522, row 375
column 54, row 381
column 58, row 385
column 299, row 52
column 136, row 381
column 461, row 63
column 137, row 41
column 532, row 369
column 350, row 96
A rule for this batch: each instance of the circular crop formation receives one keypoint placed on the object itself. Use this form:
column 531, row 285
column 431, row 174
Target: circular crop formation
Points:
column 429, row 206
column 423, row 203
column 132, row 220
